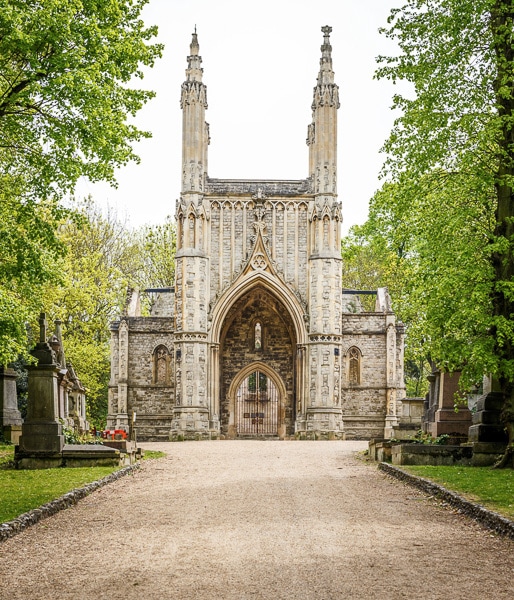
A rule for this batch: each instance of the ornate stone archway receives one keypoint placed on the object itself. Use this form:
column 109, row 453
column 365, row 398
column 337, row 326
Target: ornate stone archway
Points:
column 272, row 353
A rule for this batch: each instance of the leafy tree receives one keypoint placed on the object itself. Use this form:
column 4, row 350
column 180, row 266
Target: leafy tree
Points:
column 376, row 255
column 66, row 96
column 64, row 92
column 451, row 157
column 95, row 273
column 29, row 254
column 104, row 257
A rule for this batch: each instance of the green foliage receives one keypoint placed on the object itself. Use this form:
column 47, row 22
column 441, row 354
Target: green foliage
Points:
column 24, row 490
column 103, row 258
column 72, row 436
column 66, row 97
column 492, row 488
column 422, row 437
column 29, row 255
column 157, row 247
column 448, row 203
column 6, row 455
column 95, row 274
column 65, row 92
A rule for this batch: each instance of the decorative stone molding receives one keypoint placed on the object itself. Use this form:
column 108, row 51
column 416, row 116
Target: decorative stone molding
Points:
column 186, row 337
column 193, row 92
column 326, row 95
column 251, row 187
column 325, row 338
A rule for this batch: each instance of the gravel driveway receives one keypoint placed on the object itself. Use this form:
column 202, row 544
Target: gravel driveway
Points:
column 257, row 519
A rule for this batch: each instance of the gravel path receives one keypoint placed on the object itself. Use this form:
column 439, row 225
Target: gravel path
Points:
column 252, row 519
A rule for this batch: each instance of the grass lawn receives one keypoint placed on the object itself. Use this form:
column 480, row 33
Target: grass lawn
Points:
column 23, row 490
column 492, row 488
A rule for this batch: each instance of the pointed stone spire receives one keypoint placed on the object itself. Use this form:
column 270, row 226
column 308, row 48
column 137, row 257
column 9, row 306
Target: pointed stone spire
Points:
column 195, row 131
column 194, row 60
column 326, row 74
column 322, row 132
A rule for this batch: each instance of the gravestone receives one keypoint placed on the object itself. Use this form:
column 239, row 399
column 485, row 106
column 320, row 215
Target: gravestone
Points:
column 10, row 416
column 42, row 441
column 440, row 416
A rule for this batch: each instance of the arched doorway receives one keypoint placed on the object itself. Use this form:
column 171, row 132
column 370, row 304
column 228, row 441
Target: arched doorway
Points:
column 257, row 368
column 257, row 405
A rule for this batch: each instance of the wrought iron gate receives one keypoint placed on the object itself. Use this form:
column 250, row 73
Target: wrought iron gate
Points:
column 257, row 406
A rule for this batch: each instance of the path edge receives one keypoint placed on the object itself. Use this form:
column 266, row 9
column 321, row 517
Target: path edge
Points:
column 25, row 520
column 489, row 519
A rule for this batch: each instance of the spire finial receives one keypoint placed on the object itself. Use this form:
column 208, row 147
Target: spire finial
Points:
column 327, row 30
column 326, row 75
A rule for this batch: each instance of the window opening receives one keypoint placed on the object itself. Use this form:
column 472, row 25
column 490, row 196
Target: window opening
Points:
column 354, row 360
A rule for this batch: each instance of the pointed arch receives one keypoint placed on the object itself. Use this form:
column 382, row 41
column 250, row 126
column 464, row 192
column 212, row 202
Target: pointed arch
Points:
column 276, row 382
column 353, row 365
column 247, row 283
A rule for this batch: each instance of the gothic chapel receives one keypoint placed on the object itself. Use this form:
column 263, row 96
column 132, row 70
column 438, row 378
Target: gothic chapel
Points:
column 257, row 336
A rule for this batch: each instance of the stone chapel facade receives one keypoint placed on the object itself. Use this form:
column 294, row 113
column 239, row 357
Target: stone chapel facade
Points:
column 257, row 337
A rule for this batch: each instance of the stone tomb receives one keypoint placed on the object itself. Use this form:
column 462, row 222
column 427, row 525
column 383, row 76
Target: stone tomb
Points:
column 41, row 443
column 10, row 417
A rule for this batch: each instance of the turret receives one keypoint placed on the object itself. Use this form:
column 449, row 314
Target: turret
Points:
column 322, row 132
column 195, row 131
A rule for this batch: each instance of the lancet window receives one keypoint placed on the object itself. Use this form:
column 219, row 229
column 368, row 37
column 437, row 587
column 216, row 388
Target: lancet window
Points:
column 354, row 366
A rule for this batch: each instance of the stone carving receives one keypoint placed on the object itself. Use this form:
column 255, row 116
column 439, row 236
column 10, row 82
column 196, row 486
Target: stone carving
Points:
column 259, row 261
column 193, row 92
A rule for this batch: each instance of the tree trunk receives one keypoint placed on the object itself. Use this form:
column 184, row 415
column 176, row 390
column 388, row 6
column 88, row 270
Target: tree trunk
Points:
column 502, row 258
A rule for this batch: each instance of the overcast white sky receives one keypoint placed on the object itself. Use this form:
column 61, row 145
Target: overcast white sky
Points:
column 260, row 63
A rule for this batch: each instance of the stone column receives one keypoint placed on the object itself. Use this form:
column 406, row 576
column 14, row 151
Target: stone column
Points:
column 122, row 418
column 391, row 419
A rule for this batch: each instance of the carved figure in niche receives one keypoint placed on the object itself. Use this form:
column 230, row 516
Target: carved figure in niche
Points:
column 200, row 177
column 325, row 232
column 354, row 366
column 200, row 233
column 161, row 362
column 192, row 176
column 258, row 336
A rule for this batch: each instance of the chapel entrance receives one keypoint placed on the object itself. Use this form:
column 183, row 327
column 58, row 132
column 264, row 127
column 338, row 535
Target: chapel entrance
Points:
column 257, row 406
column 257, row 372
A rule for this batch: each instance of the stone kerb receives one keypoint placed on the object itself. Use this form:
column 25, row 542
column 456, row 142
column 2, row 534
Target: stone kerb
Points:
column 11, row 528
column 487, row 518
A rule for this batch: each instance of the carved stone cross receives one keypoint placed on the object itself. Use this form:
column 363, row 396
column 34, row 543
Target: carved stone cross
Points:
column 42, row 327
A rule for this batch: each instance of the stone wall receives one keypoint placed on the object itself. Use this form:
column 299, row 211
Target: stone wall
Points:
column 365, row 403
column 149, row 394
column 233, row 231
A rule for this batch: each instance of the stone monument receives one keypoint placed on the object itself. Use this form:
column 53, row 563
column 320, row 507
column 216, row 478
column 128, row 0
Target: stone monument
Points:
column 10, row 416
column 42, row 441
